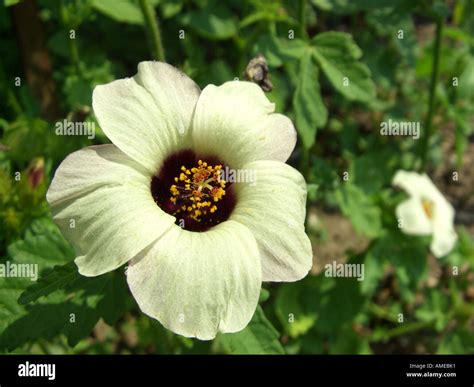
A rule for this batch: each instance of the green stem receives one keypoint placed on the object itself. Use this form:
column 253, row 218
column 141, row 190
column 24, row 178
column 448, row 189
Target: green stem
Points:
column 72, row 44
column 305, row 161
column 407, row 328
column 151, row 22
column 302, row 18
column 13, row 102
column 382, row 313
column 431, row 103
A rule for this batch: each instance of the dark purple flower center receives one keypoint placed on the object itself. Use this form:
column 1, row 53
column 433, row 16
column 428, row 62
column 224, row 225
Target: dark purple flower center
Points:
column 191, row 187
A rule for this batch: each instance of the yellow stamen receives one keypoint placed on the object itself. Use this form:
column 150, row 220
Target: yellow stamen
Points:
column 428, row 207
column 203, row 185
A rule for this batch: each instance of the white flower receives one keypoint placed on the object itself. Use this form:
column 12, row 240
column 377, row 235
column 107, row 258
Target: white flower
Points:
column 426, row 211
column 130, row 199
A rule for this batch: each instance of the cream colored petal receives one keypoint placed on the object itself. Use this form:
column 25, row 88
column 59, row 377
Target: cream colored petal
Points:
column 412, row 218
column 198, row 284
column 101, row 200
column 236, row 122
column 93, row 167
column 273, row 207
column 416, row 185
column 444, row 235
column 147, row 116
column 443, row 241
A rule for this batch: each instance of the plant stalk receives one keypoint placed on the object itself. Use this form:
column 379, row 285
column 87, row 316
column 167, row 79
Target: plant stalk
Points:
column 431, row 103
column 72, row 44
column 302, row 18
column 153, row 30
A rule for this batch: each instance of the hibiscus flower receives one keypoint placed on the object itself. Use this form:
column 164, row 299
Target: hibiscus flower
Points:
column 198, row 246
column 426, row 211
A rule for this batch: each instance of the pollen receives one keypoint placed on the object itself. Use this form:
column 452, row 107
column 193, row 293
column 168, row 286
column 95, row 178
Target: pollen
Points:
column 198, row 190
column 428, row 207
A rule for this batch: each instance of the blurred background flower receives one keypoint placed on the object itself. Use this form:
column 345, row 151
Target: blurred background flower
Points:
column 339, row 69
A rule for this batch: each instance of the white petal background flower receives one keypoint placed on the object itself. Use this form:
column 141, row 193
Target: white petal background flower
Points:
column 426, row 211
column 195, row 283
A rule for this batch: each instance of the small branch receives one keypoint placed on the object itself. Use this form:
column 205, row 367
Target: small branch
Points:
column 73, row 49
column 302, row 18
column 153, row 30
column 431, row 103
column 407, row 328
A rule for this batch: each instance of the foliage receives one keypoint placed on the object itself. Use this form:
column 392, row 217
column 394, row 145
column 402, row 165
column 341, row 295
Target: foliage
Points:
column 338, row 68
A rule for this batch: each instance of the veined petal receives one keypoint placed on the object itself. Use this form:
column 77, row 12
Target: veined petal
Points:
column 101, row 200
column 147, row 116
column 273, row 207
column 236, row 122
column 198, row 284
column 413, row 219
column 92, row 167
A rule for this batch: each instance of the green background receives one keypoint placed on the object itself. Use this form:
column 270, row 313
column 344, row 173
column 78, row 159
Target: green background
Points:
column 427, row 76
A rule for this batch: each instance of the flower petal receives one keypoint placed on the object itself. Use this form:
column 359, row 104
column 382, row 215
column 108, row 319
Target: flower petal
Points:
column 197, row 284
column 101, row 200
column 416, row 185
column 444, row 235
column 92, row 167
column 273, row 207
column 443, row 241
column 236, row 122
column 147, row 116
column 413, row 219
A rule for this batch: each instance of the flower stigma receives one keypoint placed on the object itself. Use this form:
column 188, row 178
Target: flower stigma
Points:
column 192, row 188
column 197, row 190
column 428, row 208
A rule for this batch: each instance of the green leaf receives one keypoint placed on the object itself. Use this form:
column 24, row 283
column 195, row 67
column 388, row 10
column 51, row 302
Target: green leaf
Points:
column 264, row 295
column 336, row 302
column 124, row 11
column 260, row 337
column 10, row 289
column 62, row 302
column 352, row 6
column 347, row 341
column 58, row 278
column 408, row 256
column 9, row 3
column 311, row 113
column 45, row 249
column 365, row 171
column 217, row 23
column 338, row 55
column 357, row 206
column 435, row 308
column 296, row 320
column 278, row 51
column 73, row 311
column 373, row 272
column 170, row 8
column 459, row 342
column 466, row 80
